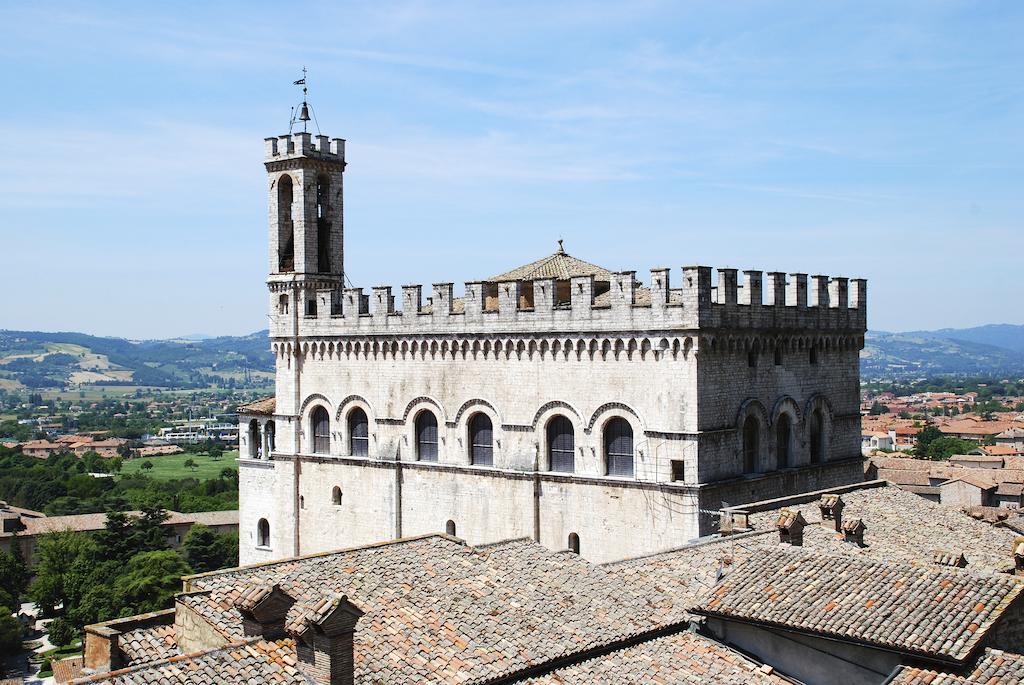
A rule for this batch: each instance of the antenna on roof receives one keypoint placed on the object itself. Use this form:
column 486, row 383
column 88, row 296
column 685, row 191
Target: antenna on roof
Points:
column 303, row 109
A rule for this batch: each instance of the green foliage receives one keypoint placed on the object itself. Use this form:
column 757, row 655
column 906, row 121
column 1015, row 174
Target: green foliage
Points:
column 59, row 485
column 61, row 632
column 878, row 408
column 152, row 580
column 944, row 448
column 13, row 576
column 10, row 632
column 925, row 438
column 147, row 465
column 208, row 551
column 190, row 464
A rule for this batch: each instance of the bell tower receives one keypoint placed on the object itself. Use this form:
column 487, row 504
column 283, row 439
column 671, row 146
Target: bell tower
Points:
column 305, row 186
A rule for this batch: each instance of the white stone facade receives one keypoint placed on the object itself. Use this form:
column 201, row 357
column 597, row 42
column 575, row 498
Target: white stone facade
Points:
column 704, row 376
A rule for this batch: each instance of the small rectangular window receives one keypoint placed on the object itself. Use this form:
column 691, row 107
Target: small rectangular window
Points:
column 678, row 470
column 311, row 307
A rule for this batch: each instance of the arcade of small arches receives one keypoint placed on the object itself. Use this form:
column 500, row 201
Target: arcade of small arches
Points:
column 768, row 441
column 259, row 439
column 578, row 348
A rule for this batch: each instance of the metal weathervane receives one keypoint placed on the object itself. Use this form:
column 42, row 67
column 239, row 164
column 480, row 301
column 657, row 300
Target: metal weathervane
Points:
column 304, row 109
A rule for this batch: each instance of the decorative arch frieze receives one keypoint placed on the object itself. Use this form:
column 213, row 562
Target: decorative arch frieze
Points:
column 315, row 397
column 554, row 404
column 476, row 402
column 609, row 406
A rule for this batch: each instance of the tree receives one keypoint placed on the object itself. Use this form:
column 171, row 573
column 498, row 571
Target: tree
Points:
column 61, row 632
column 152, row 579
column 925, row 438
column 14, row 575
column 208, row 551
column 10, row 632
column 147, row 465
column 115, row 465
column 56, row 557
column 190, row 464
column 878, row 408
column 944, row 448
column 216, row 452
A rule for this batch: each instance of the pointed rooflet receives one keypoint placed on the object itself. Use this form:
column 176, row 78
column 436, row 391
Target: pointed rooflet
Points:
column 560, row 265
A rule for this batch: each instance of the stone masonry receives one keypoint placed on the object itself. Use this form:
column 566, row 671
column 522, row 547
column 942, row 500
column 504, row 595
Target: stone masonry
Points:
column 733, row 389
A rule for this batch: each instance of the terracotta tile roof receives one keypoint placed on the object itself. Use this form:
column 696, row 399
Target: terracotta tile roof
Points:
column 971, row 479
column 243, row 663
column 151, row 643
column 680, row 659
column 901, row 526
column 264, row 407
column 904, row 477
column 995, row 667
column 65, row 670
column 558, row 265
column 456, row 613
column 913, row 609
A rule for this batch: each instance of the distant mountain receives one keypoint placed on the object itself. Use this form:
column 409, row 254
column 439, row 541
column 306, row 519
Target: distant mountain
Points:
column 1004, row 335
column 995, row 349
column 33, row 359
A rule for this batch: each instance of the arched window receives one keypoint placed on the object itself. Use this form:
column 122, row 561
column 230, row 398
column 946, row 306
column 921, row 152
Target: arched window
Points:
column 481, row 440
column 751, row 444
column 336, row 496
column 320, row 425
column 783, row 437
column 426, row 436
column 282, row 304
column 254, row 439
column 561, row 445
column 752, row 356
column 358, row 433
column 271, row 433
column 813, row 354
column 574, row 543
column 285, row 234
column 323, row 226
column 449, row 528
column 263, row 533
column 816, row 434
column 778, row 355
column 618, row 447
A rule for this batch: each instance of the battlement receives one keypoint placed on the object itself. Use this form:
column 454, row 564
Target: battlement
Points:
column 765, row 302
column 304, row 145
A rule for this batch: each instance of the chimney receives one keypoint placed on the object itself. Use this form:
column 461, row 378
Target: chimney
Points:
column 1018, row 557
column 831, row 507
column 732, row 522
column 853, row 531
column 791, row 527
column 941, row 557
column 324, row 635
column 264, row 609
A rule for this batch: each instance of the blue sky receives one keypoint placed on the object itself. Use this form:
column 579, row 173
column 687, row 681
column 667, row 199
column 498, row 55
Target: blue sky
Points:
column 881, row 140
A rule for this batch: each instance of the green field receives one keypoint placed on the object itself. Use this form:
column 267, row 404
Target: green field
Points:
column 172, row 466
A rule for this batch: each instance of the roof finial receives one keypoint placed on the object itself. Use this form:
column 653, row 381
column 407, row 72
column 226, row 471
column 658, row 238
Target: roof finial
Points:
column 561, row 250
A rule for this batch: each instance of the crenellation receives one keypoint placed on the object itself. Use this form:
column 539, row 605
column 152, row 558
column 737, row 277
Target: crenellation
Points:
column 819, row 291
column 544, row 297
column 727, row 287
column 775, row 288
column 750, row 292
column 304, row 144
column 660, row 287
column 838, row 292
column 441, row 303
column 623, row 293
column 796, row 295
column 383, row 301
column 859, row 294
column 412, row 299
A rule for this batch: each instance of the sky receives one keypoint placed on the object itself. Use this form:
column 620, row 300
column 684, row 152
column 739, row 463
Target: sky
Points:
column 863, row 139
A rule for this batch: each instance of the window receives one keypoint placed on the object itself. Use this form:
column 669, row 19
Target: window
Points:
column 263, row 533
column 282, row 304
column 561, row 445
column 254, row 440
column 618, row 447
column 311, row 307
column 751, row 446
column 783, row 434
column 358, row 433
column 574, row 543
column 752, row 358
column 323, row 226
column 285, row 235
column 481, row 440
column 817, row 437
column 778, row 356
column 320, row 423
column 449, row 528
column 426, row 436
column 813, row 355
column 269, row 430
column 336, row 496
column 678, row 470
